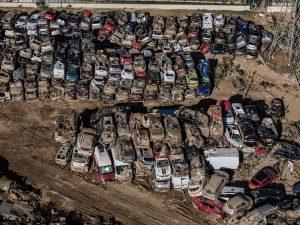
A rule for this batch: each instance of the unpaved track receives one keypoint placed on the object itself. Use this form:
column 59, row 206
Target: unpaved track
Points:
column 125, row 202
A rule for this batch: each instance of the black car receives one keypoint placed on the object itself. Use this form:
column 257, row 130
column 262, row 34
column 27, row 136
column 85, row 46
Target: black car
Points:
column 267, row 138
column 252, row 113
column 74, row 20
column 190, row 151
column 277, row 108
column 288, row 151
column 267, row 195
column 248, row 131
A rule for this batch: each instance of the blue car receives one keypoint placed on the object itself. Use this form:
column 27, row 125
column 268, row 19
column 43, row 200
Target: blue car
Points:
column 296, row 189
column 204, row 69
column 242, row 27
column 72, row 75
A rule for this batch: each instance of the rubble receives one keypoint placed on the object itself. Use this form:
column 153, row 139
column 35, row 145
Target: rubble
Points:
column 21, row 203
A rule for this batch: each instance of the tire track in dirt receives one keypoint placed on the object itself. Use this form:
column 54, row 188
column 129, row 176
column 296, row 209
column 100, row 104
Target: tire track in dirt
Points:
column 125, row 202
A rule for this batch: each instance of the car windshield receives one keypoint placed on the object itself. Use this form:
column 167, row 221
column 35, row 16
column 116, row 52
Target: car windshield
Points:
column 105, row 169
column 261, row 176
column 228, row 113
column 162, row 163
column 236, row 136
column 210, row 191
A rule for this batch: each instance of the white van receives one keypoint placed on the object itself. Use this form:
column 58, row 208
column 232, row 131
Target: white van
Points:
column 218, row 158
column 180, row 177
column 103, row 163
column 123, row 170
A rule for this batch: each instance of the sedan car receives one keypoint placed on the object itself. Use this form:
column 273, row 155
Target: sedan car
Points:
column 288, row 151
column 238, row 204
column 162, row 169
column 248, row 131
column 233, row 136
column 267, row 195
column 263, row 177
column 214, row 207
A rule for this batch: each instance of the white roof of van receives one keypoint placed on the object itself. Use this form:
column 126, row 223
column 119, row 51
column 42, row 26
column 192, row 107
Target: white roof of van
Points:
column 221, row 152
column 102, row 157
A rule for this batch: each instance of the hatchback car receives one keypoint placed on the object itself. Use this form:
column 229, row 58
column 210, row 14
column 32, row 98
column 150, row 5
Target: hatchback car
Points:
column 214, row 207
column 263, row 177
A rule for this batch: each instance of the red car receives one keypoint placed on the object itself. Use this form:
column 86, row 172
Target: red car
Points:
column 261, row 151
column 214, row 207
column 141, row 74
column 86, row 13
column 108, row 26
column 205, row 47
column 126, row 59
column 137, row 45
column 49, row 15
column 263, row 177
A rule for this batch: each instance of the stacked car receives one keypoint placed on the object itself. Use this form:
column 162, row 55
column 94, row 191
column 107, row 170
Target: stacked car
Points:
column 182, row 148
column 117, row 57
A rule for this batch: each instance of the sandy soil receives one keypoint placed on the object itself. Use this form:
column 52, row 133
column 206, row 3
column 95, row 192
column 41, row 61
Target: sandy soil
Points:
column 27, row 142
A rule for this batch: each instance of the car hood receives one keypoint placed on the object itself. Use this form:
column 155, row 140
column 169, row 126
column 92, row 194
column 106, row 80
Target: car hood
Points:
column 163, row 171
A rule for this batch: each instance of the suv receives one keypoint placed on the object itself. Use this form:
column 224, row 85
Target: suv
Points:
column 85, row 141
column 238, row 204
column 215, row 184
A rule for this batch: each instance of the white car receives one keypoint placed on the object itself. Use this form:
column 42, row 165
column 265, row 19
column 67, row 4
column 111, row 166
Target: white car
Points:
column 238, row 110
column 219, row 20
column 162, row 186
column 233, row 136
column 127, row 73
column 207, row 22
column 64, row 154
column 80, row 163
column 168, row 76
column 59, row 70
column 162, row 169
column 100, row 70
column 31, row 23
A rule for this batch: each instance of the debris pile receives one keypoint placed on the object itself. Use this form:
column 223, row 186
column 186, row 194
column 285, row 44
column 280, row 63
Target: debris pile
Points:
column 21, row 203
column 230, row 159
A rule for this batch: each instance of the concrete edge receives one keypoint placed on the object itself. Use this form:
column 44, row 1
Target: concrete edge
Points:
column 133, row 6
column 274, row 9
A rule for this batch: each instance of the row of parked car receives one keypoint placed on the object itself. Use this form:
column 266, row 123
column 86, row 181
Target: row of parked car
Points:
column 117, row 56
column 174, row 147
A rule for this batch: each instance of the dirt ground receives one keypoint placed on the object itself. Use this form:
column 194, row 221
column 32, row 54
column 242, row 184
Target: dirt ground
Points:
column 28, row 145
column 27, row 142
